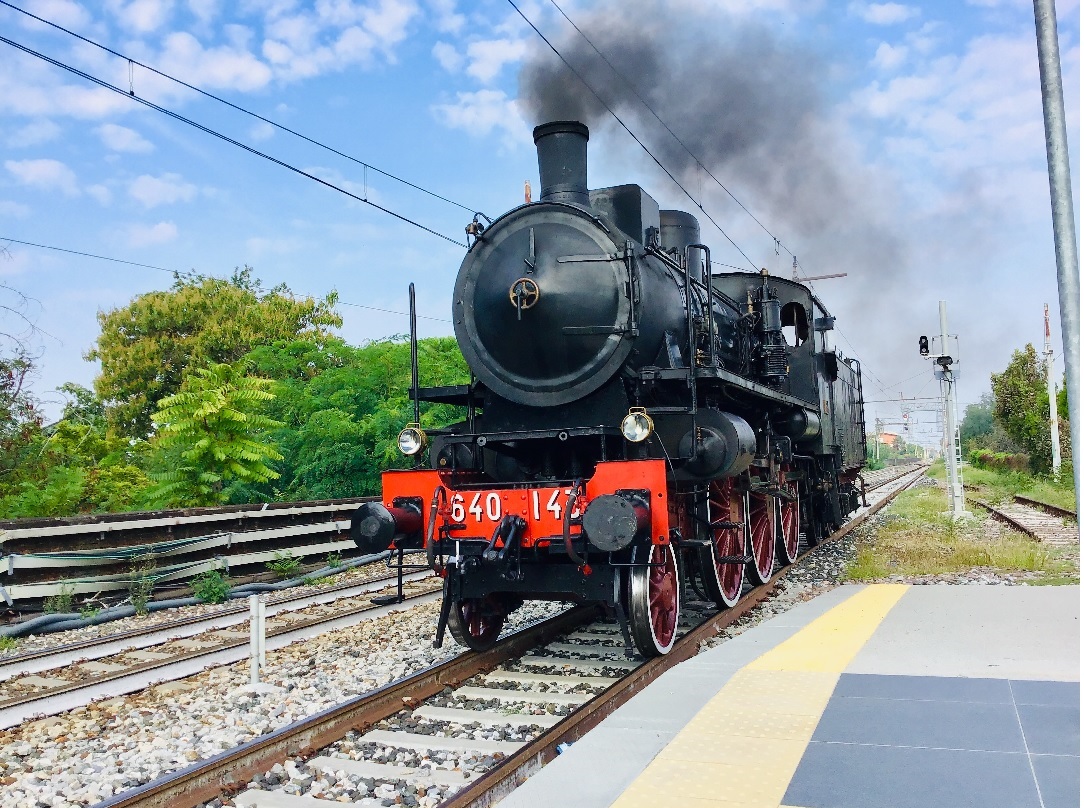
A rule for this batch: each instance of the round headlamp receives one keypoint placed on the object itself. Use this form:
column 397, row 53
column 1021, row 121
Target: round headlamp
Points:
column 637, row 426
column 412, row 439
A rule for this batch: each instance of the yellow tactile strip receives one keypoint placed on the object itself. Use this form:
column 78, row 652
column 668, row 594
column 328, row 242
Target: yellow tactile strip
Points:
column 743, row 747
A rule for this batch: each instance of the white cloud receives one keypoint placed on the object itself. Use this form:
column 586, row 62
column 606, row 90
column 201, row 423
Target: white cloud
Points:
column 488, row 57
column 448, row 20
column 141, row 16
column 884, row 13
column 448, row 57
column 261, row 131
column 44, row 174
column 889, row 57
column 101, row 194
column 62, row 12
column 122, row 139
column 13, row 209
column 227, row 67
column 163, row 190
column 204, row 10
column 479, row 113
column 41, row 131
column 141, row 235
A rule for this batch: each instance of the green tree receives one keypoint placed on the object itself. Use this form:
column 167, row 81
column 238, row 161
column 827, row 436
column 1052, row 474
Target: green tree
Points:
column 211, row 433
column 978, row 422
column 146, row 348
column 342, row 408
column 1021, row 405
column 20, row 415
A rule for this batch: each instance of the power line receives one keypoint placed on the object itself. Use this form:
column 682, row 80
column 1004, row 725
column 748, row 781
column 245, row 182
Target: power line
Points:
column 237, row 107
column 226, row 138
column 624, row 126
column 673, row 134
column 188, row 274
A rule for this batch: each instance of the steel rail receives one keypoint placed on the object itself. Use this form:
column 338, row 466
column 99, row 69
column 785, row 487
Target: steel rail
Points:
column 14, row 660
column 208, row 779
column 137, row 673
column 1053, row 510
column 498, row 782
column 1001, row 516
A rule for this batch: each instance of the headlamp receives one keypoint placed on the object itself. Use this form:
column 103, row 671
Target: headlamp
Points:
column 412, row 439
column 637, row 426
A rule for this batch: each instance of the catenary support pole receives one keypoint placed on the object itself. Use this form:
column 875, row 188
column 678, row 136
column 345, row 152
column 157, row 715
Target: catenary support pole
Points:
column 1061, row 203
column 1052, row 396
column 952, row 431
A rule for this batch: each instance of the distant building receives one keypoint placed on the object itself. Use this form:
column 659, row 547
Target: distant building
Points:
column 888, row 438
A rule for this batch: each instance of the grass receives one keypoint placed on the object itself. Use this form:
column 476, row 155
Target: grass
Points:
column 998, row 486
column 8, row 643
column 916, row 538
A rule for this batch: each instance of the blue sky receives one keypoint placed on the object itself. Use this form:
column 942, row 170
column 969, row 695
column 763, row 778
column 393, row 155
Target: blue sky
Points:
column 929, row 113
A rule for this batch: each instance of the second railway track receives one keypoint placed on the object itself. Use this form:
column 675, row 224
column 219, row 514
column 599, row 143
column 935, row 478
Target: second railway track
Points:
column 1040, row 521
column 507, row 709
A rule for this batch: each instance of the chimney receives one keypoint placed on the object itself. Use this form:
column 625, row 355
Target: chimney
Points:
column 562, row 162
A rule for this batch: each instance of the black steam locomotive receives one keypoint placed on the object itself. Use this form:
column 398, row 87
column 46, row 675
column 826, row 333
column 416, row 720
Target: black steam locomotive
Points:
column 633, row 418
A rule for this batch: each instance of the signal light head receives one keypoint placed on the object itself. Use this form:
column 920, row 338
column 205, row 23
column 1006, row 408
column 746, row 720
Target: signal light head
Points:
column 412, row 440
column 923, row 346
column 637, row 426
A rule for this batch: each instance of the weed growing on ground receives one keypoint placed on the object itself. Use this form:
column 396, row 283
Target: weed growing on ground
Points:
column 334, row 559
column 61, row 602
column 211, row 586
column 284, row 565
column 1001, row 486
column 88, row 611
column 141, row 587
column 8, row 643
column 915, row 537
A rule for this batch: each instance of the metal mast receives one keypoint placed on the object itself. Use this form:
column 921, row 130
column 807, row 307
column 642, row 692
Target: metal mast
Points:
column 1051, row 393
column 1061, row 203
column 953, row 459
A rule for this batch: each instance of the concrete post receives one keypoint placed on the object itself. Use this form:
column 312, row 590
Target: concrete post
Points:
column 1052, row 396
column 952, row 430
column 254, row 641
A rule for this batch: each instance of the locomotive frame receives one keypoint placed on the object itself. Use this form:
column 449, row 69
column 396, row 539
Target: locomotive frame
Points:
column 634, row 421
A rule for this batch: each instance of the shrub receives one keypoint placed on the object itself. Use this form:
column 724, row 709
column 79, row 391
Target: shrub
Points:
column 60, row 603
column 141, row 587
column 284, row 565
column 998, row 461
column 211, row 586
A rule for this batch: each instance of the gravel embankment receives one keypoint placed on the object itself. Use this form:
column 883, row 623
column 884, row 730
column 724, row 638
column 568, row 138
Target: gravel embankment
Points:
column 93, row 752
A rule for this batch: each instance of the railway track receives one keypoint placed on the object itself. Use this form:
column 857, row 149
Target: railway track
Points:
column 1044, row 523
column 508, row 708
column 183, row 647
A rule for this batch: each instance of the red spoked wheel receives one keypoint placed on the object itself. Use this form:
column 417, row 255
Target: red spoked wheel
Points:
column 477, row 622
column 726, row 529
column 789, row 520
column 655, row 601
column 762, row 533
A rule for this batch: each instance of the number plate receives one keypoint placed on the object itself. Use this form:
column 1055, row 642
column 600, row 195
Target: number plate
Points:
column 543, row 507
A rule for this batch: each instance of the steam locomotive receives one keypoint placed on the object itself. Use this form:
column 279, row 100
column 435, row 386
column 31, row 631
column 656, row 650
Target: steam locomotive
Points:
column 634, row 420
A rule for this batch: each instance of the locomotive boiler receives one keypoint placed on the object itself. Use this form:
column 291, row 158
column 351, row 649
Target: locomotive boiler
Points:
column 634, row 420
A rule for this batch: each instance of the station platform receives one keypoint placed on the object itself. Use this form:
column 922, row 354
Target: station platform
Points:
column 881, row 696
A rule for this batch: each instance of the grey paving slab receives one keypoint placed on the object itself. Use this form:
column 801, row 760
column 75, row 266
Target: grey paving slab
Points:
column 1031, row 692
column 596, row 770
column 856, row 776
column 926, row 688
column 1017, row 632
column 1059, row 780
column 1051, row 729
column 935, row 724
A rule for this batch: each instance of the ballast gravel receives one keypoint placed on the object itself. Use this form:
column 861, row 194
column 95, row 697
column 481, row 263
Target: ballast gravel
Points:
column 93, row 752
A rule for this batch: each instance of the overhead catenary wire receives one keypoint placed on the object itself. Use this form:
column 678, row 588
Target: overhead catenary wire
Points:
column 177, row 116
column 188, row 274
column 136, row 63
column 631, row 134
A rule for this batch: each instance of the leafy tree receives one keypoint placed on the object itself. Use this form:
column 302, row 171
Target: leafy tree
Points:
column 343, row 407
column 978, row 422
column 20, row 416
column 210, row 433
column 146, row 347
column 1021, row 405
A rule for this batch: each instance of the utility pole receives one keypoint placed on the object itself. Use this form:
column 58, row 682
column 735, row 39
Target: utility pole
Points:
column 1061, row 204
column 952, row 429
column 1052, row 395
column 877, row 441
